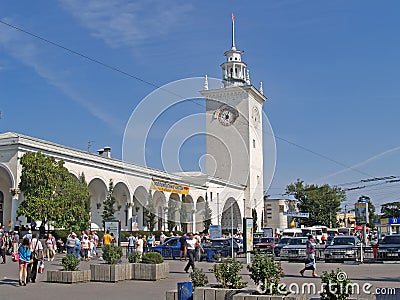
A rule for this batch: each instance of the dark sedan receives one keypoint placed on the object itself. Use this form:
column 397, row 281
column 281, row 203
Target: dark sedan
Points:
column 222, row 247
column 389, row 247
column 343, row 248
column 281, row 243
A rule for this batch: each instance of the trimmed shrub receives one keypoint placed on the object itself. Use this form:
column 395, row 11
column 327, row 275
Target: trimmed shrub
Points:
column 152, row 258
column 227, row 274
column 198, row 278
column 336, row 285
column 112, row 254
column 266, row 274
column 70, row 263
column 134, row 257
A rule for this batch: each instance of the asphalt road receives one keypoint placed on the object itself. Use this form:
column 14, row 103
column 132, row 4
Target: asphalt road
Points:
column 378, row 275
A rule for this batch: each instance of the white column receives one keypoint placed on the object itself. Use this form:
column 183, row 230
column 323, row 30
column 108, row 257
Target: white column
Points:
column 14, row 206
column 194, row 220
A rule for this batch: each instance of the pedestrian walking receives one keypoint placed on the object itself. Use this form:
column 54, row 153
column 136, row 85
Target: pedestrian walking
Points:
column 15, row 241
column 50, row 246
column 190, row 250
column 310, row 260
column 85, row 247
column 107, row 238
column 24, row 259
column 182, row 241
column 2, row 248
column 70, row 245
column 37, row 256
column 139, row 245
column 131, row 244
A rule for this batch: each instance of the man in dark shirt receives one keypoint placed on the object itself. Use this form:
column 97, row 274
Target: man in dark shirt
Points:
column 182, row 241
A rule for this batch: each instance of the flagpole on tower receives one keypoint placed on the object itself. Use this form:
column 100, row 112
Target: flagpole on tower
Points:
column 233, row 32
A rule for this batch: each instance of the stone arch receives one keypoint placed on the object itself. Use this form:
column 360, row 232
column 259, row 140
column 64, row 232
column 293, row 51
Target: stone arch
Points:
column 122, row 198
column 98, row 191
column 200, row 206
column 140, row 198
column 231, row 207
column 160, row 205
column 7, row 211
column 174, row 206
column 76, row 177
column 187, row 209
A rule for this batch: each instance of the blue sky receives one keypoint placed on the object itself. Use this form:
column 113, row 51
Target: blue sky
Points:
column 330, row 69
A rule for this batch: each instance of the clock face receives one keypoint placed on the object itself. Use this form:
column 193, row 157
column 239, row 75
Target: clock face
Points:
column 227, row 115
column 255, row 115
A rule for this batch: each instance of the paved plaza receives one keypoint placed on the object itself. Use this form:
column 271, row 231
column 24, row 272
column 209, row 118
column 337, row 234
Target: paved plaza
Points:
column 378, row 275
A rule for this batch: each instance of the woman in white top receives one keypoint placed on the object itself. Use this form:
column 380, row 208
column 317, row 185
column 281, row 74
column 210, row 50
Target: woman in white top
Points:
column 190, row 251
column 85, row 245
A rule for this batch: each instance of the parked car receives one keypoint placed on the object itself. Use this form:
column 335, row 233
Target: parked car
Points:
column 343, row 248
column 295, row 249
column 281, row 243
column 222, row 247
column 389, row 247
column 170, row 248
column 267, row 244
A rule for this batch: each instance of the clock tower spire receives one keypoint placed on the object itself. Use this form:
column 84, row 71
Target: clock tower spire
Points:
column 233, row 69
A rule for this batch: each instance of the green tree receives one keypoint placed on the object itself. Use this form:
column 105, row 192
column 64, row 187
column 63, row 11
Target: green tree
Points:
column 109, row 203
column 207, row 214
column 52, row 194
column 391, row 210
column 321, row 202
column 150, row 214
column 75, row 199
column 254, row 216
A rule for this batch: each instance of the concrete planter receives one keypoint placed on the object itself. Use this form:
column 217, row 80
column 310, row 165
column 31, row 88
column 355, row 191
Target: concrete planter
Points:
column 68, row 276
column 248, row 296
column 212, row 293
column 110, row 273
column 171, row 295
column 150, row 272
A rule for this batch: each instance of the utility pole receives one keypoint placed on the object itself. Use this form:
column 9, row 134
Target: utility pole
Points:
column 345, row 215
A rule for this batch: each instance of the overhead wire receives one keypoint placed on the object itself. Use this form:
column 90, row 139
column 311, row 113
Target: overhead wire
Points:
column 160, row 87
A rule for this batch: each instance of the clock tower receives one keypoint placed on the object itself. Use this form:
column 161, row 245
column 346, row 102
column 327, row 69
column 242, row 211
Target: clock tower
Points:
column 234, row 144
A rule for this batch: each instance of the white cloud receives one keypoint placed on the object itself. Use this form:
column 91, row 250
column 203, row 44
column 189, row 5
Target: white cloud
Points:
column 24, row 50
column 128, row 23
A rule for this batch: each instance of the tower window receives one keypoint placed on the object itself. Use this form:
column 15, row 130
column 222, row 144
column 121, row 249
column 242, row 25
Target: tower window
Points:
column 230, row 58
column 254, row 143
column 235, row 58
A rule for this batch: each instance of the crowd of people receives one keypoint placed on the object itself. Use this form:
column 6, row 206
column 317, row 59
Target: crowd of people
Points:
column 84, row 247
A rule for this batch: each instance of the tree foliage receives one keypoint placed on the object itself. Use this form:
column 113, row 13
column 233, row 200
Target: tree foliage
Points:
column 150, row 214
column 109, row 203
column 207, row 215
column 52, row 194
column 321, row 202
column 391, row 210
column 255, row 219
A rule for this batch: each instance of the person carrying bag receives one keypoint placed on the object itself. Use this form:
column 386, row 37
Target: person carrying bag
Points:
column 37, row 256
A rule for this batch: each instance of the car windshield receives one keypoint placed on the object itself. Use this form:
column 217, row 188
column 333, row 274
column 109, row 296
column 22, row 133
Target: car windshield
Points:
column 391, row 239
column 284, row 240
column 267, row 240
column 219, row 243
column 343, row 241
column 298, row 241
column 306, row 231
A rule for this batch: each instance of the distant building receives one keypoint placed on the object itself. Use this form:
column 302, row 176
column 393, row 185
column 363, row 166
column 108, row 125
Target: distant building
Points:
column 273, row 213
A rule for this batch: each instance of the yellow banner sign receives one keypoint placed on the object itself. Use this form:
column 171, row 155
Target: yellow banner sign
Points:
column 165, row 186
